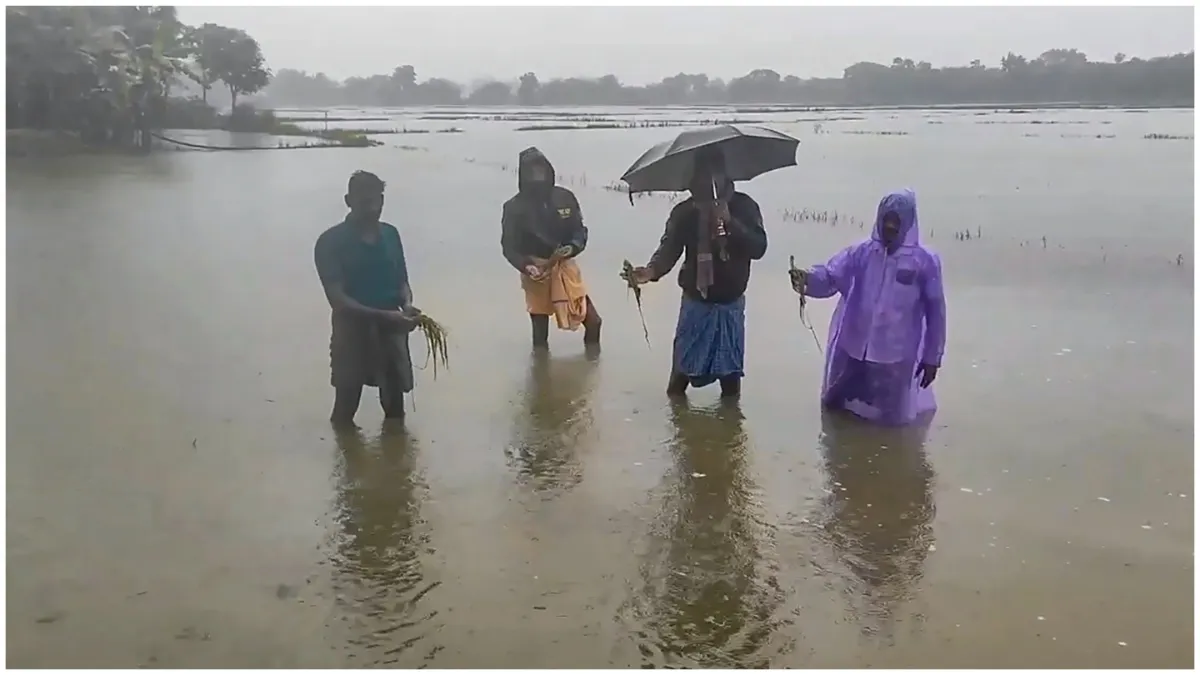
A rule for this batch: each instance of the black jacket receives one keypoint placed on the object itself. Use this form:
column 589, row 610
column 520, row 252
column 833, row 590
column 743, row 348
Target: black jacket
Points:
column 745, row 241
column 540, row 218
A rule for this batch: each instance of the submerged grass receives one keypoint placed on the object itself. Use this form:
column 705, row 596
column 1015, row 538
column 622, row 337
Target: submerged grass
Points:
column 865, row 132
column 332, row 119
column 346, row 138
column 637, row 124
column 833, row 218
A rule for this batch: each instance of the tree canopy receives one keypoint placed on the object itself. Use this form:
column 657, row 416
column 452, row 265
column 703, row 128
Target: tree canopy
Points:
column 1056, row 76
column 106, row 71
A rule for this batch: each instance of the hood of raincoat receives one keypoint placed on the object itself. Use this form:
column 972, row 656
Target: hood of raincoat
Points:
column 525, row 161
column 904, row 204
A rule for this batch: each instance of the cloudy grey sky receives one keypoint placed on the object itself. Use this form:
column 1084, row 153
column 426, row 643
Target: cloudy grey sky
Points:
column 643, row 44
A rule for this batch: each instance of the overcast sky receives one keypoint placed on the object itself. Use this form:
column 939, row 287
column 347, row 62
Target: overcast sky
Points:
column 644, row 44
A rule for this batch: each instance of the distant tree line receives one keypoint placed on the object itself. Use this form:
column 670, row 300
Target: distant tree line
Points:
column 1056, row 76
column 108, row 72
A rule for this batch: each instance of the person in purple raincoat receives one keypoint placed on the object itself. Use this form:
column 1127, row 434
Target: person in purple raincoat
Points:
column 888, row 333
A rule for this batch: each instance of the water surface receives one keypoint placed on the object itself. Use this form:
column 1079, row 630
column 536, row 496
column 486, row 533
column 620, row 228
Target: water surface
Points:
column 176, row 498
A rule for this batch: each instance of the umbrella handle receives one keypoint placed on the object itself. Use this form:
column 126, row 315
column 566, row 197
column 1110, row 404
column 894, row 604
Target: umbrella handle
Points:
column 716, row 201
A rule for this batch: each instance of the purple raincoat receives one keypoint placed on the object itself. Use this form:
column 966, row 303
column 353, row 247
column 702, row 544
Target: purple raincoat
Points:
column 890, row 318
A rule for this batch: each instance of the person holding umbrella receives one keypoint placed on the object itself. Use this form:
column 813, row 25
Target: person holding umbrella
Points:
column 718, row 232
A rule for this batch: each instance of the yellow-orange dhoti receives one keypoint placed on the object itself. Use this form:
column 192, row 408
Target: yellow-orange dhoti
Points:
column 560, row 294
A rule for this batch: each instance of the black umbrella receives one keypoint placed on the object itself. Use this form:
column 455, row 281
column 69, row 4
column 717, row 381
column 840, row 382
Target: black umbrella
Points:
column 749, row 151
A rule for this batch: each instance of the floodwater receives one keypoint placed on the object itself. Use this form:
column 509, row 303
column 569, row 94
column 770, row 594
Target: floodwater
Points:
column 177, row 499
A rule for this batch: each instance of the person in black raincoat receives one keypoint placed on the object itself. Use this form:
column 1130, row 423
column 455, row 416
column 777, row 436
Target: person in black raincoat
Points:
column 542, row 232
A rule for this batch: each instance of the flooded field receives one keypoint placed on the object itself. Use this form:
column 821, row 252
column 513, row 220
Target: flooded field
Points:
column 177, row 499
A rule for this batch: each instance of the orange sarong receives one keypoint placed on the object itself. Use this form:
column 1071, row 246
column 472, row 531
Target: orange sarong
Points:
column 560, row 294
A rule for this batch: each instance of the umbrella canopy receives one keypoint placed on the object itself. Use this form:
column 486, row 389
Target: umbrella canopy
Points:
column 749, row 151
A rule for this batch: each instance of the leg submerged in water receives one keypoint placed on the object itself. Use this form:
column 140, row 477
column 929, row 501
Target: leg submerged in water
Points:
column 393, row 405
column 391, row 398
column 591, row 324
column 731, row 386
column 677, row 384
column 345, row 405
column 540, row 324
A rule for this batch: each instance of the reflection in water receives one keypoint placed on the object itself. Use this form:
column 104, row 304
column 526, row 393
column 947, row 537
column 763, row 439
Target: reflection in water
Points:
column 378, row 574
column 554, row 417
column 707, row 599
column 878, row 512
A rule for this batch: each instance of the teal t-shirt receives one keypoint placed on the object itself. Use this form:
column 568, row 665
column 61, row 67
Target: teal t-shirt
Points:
column 372, row 274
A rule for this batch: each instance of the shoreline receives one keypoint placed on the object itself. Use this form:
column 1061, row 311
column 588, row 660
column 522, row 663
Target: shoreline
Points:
column 747, row 107
column 58, row 143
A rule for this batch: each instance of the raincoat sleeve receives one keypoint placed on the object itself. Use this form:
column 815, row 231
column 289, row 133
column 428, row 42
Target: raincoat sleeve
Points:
column 825, row 281
column 509, row 237
column 935, row 313
column 579, row 232
column 670, row 248
column 834, row 276
column 746, row 232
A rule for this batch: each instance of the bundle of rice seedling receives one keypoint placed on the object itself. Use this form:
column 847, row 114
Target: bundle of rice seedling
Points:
column 435, row 340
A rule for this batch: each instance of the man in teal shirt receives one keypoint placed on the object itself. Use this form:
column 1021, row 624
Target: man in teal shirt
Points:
column 360, row 262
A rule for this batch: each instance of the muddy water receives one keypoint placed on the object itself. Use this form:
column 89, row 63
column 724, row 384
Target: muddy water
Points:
column 176, row 498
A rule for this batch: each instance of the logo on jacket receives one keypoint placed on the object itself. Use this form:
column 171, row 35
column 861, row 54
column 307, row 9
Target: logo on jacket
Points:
column 564, row 213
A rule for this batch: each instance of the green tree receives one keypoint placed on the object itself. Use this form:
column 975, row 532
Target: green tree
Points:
column 208, row 43
column 232, row 57
column 244, row 70
column 529, row 89
column 228, row 55
column 404, row 83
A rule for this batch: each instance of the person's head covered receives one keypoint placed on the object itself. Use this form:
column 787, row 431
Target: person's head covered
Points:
column 535, row 173
column 364, row 195
column 896, row 220
column 708, row 170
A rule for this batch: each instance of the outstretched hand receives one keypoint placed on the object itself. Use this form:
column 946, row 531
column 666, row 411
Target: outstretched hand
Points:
column 927, row 373
column 799, row 280
column 639, row 275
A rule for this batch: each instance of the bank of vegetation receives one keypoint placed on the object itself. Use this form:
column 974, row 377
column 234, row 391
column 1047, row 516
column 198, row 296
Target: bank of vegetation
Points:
column 117, row 78
column 109, row 78
column 1056, row 77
